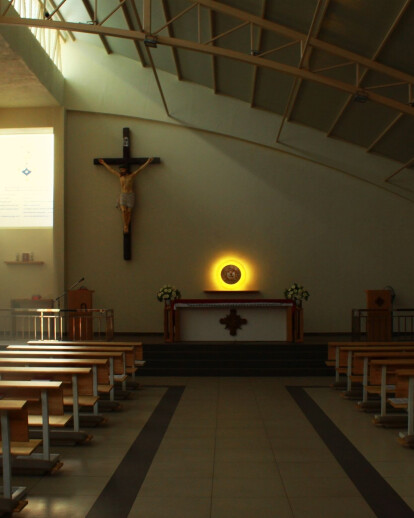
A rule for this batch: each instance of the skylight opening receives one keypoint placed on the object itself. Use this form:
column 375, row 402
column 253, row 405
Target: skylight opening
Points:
column 49, row 39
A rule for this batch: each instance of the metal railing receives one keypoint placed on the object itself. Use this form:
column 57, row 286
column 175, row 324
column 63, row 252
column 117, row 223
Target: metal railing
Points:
column 377, row 324
column 56, row 324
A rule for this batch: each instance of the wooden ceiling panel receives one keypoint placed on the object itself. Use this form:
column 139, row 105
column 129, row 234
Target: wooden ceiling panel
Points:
column 357, row 25
column 398, row 143
column 196, row 67
column 296, row 14
column 317, row 105
column 272, row 90
column 362, row 122
column 399, row 52
column 229, row 74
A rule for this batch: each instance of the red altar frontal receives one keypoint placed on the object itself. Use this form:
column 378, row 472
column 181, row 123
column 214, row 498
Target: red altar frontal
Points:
column 224, row 320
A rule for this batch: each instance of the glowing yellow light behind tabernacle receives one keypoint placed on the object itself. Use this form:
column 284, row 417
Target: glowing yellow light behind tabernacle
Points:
column 244, row 267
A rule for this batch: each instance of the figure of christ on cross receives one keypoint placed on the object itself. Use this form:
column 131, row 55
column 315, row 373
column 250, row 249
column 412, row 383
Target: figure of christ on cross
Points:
column 127, row 197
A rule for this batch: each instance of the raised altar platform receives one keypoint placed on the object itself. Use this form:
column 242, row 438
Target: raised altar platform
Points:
column 232, row 320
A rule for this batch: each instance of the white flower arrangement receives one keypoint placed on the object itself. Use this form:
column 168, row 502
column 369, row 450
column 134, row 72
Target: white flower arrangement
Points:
column 297, row 293
column 168, row 292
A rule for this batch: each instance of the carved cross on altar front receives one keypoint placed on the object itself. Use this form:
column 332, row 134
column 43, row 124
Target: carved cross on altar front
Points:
column 126, row 200
column 233, row 321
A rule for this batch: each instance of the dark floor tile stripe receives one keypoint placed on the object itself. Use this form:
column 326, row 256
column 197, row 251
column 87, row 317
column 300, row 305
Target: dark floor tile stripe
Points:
column 121, row 491
column 379, row 495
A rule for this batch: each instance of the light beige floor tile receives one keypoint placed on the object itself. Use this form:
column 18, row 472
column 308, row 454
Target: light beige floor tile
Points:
column 403, row 485
column 319, row 486
column 81, row 466
column 154, row 487
column 310, row 469
column 193, row 456
column 297, row 453
column 171, row 507
column 276, row 507
column 341, row 507
column 57, row 506
column 246, row 469
column 244, row 441
column 66, row 485
column 184, row 468
column 244, row 454
column 189, row 432
column 404, row 468
column 187, row 443
column 247, row 487
column 237, row 422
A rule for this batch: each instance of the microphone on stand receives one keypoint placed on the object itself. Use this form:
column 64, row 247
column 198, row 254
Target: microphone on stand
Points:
column 76, row 283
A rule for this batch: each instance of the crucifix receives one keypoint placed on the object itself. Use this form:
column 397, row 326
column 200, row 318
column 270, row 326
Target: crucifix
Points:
column 126, row 178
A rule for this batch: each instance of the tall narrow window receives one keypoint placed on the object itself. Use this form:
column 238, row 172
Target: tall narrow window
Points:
column 26, row 178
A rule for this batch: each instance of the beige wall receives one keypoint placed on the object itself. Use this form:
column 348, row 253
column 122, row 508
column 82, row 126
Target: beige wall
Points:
column 46, row 244
column 291, row 219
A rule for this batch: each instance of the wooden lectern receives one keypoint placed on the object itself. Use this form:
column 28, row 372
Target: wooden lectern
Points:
column 379, row 318
column 80, row 322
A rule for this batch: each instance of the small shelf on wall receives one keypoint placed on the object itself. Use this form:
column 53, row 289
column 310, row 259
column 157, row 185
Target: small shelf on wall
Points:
column 24, row 262
column 231, row 291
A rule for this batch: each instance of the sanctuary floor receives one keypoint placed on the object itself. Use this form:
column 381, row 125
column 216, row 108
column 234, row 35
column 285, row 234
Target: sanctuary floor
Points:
column 231, row 447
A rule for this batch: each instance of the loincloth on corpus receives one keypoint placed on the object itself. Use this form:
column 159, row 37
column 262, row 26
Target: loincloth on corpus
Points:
column 127, row 199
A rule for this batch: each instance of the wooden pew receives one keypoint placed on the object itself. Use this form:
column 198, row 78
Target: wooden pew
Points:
column 116, row 363
column 351, row 360
column 76, row 394
column 334, row 360
column 14, row 441
column 44, row 398
column 128, row 355
column 77, row 384
column 332, row 346
column 138, row 347
column 383, row 373
column 404, row 399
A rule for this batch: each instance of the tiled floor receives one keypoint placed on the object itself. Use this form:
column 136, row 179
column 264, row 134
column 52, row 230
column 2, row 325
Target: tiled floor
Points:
column 234, row 447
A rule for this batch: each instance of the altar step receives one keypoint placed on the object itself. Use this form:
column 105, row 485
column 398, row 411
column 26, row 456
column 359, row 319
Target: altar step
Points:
column 235, row 359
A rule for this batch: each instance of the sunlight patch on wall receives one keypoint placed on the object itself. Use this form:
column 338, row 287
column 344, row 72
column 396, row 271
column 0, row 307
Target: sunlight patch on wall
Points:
column 26, row 178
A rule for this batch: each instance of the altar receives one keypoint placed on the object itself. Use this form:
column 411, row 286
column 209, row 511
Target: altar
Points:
column 218, row 320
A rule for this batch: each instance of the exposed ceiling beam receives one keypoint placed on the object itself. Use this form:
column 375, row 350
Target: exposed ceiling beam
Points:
column 313, row 42
column 384, row 132
column 407, row 164
column 171, row 20
column 154, row 70
column 122, row 2
column 91, row 14
column 130, row 24
column 171, row 34
column 59, row 15
column 230, row 31
column 213, row 58
column 213, row 50
column 259, row 46
column 376, row 54
column 306, row 58
column 304, row 48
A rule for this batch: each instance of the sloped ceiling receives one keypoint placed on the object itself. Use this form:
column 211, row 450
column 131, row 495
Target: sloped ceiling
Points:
column 344, row 67
column 19, row 86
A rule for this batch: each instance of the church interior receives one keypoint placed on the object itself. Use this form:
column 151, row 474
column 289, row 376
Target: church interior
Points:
column 268, row 219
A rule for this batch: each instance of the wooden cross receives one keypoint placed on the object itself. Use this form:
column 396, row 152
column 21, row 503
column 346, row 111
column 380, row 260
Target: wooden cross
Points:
column 233, row 321
column 126, row 161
